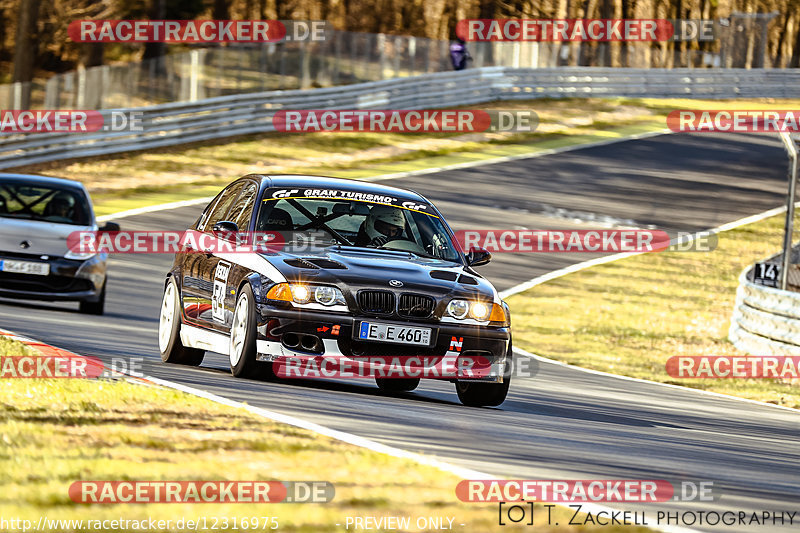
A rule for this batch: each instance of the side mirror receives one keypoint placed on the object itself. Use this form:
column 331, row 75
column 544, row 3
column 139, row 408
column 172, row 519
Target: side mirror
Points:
column 478, row 256
column 225, row 230
column 109, row 226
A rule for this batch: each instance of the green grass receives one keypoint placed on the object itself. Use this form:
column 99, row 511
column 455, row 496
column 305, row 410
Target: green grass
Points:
column 629, row 316
column 55, row 432
column 134, row 180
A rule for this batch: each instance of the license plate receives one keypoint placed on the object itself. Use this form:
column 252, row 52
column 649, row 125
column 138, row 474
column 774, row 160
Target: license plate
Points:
column 25, row 267
column 373, row 331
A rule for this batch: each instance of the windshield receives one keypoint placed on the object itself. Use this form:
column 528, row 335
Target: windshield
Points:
column 404, row 226
column 48, row 203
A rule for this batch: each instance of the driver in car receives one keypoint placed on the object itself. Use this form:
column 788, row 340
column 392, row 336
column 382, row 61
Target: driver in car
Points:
column 61, row 206
column 383, row 224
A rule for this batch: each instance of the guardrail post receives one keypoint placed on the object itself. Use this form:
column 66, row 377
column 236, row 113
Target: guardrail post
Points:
column 381, row 44
column 194, row 75
column 791, row 148
column 305, row 65
column 51, row 90
column 16, row 95
column 412, row 56
column 80, row 88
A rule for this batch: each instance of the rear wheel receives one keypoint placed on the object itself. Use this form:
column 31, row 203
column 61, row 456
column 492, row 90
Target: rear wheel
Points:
column 486, row 394
column 397, row 385
column 169, row 331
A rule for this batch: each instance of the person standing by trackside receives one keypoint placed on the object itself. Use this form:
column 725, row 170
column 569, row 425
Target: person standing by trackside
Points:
column 459, row 55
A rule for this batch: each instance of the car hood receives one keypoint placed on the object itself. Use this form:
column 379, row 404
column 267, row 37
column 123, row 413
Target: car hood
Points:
column 353, row 269
column 41, row 238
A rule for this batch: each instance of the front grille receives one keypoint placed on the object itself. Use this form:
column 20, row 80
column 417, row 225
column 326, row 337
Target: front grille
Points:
column 381, row 302
column 28, row 257
column 13, row 281
column 415, row 306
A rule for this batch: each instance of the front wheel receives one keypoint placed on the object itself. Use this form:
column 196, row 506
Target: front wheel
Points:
column 486, row 394
column 169, row 331
column 94, row 308
column 242, row 350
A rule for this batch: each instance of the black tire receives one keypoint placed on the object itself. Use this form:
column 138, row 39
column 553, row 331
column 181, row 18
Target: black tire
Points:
column 244, row 364
column 94, row 308
column 397, row 385
column 486, row 394
column 169, row 324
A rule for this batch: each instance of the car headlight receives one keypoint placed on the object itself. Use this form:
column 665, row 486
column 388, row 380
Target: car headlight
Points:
column 325, row 295
column 458, row 308
column 480, row 311
column 302, row 294
column 81, row 256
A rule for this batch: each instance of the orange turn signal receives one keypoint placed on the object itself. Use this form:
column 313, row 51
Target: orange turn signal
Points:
column 281, row 291
column 498, row 314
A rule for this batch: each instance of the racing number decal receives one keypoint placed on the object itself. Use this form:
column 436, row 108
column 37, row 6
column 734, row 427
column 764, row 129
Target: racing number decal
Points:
column 220, row 288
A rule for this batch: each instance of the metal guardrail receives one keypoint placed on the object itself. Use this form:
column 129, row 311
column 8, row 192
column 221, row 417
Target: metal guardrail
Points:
column 216, row 118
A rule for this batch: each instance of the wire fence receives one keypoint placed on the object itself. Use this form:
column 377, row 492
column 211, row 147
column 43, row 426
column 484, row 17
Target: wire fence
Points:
column 345, row 58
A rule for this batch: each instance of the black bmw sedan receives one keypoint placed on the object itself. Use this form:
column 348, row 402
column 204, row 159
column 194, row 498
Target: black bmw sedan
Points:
column 355, row 276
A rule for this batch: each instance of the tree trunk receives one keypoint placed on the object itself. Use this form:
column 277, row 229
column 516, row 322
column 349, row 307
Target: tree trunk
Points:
column 677, row 50
column 795, row 62
column 25, row 48
column 585, row 47
column 157, row 11
column 93, row 54
column 221, row 10
column 778, row 53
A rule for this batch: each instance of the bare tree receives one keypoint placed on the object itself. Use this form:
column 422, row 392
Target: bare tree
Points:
column 25, row 49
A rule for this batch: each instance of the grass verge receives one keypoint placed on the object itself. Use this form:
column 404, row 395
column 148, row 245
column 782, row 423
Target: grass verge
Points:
column 54, row 432
column 629, row 316
column 134, row 180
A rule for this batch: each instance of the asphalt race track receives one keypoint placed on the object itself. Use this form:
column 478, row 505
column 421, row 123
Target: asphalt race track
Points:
column 561, row 423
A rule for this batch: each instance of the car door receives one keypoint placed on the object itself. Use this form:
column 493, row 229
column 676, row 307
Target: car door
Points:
column 221, row 272
column 200, row 266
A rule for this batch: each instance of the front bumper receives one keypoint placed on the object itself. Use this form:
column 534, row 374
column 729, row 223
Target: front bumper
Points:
column 68, row 280
column 459, row 352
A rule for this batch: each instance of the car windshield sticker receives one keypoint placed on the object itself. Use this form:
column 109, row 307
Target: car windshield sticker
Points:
column 335, row 194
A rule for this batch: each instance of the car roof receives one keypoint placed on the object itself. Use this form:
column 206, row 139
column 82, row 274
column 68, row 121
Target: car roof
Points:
column 42, row 180
column 324, row 182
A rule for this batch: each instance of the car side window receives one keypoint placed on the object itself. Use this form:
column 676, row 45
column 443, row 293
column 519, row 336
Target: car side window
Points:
column 220, row 209
column 242, row 210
